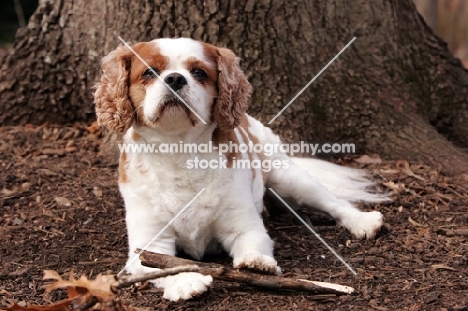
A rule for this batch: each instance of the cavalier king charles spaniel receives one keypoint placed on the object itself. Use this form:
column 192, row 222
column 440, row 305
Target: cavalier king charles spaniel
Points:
column 182, row 91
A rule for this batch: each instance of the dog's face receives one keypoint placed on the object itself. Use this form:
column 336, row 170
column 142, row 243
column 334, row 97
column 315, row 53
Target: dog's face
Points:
column 169, row 84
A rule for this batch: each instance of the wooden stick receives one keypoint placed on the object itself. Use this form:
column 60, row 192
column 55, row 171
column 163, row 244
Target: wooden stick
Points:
column 127, row 281
column 221, row 272
column 454, row 232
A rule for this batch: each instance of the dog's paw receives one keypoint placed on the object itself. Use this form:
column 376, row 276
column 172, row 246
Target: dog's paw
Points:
column 363, row 224
column 184, row 285
column 258, row 262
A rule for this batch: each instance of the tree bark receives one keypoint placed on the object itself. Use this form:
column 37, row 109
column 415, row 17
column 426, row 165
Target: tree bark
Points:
column 395, row 91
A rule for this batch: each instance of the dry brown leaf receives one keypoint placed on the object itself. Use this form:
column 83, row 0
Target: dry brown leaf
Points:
column 389, row 171
column 93, row 128
column 97, row 192
column 405, row 168
column 423, row 231
column 99, row 287
column 61, row 201
column 83, row 293
column 365, row 159
column 51, row 274
column 13, row 193
column 397, row 188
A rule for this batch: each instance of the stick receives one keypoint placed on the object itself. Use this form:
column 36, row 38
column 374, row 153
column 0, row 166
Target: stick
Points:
column 221, row 272
column 454, row 232
column 127, row 281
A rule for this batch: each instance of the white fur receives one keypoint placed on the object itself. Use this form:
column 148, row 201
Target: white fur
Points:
column 158, row 186
column 344, row 182
column 185, row 285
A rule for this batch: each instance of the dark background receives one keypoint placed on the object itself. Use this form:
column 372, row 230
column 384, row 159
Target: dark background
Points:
column 9, row 21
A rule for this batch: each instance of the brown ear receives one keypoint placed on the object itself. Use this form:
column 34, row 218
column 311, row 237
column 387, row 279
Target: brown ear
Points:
column 234, row 91
column 114, row 109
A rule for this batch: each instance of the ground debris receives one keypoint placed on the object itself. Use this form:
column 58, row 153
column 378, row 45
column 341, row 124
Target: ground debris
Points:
column 394, row 271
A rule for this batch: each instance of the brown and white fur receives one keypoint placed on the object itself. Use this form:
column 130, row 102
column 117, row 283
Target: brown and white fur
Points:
column 156, row 186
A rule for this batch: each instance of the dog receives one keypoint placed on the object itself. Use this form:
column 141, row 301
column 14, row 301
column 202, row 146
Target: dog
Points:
column 169, row 92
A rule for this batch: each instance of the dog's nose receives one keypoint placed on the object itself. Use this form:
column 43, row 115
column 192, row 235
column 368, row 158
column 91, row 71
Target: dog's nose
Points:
column 176, row 81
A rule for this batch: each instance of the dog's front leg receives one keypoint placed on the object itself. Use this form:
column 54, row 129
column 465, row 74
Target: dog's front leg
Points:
column 144, row 222
column 241, row 232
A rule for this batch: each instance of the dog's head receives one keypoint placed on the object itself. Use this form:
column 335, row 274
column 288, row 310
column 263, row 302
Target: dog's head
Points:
column 166, row 83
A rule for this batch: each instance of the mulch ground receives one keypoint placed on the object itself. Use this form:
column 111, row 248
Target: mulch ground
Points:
column 60, row 209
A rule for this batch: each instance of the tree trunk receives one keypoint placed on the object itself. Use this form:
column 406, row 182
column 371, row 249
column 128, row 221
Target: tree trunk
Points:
column 395, row 91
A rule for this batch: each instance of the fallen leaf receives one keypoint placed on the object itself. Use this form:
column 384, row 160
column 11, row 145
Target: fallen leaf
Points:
column 13, row 193
column 97, row 192
column 93, row 128
column 405, row 168
column 83, row 294
column 99, row 287
column 61, row 201
column 395, row 187
column 423, row 231
column 51, row 274
column 365, row 159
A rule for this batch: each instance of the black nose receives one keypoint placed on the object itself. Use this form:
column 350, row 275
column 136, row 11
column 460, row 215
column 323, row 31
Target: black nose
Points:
column 176, row 81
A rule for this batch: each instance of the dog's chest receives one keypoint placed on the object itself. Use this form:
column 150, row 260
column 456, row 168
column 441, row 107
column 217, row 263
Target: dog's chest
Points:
column 169, row 186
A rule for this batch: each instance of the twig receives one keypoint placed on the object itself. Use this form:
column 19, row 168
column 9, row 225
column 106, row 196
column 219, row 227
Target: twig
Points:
column 454, row 232
column 127, row 281
column 221, row 272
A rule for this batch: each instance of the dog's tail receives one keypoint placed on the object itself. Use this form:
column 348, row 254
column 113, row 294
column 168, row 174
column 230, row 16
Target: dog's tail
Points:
column 345, row 183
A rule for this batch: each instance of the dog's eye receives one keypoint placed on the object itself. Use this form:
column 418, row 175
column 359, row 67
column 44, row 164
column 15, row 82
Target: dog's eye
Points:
column 150, row 73
column 199, row 74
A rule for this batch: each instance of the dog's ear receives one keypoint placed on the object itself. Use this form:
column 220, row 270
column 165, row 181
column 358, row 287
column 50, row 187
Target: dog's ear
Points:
column 114, row 109
column 234, row 91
